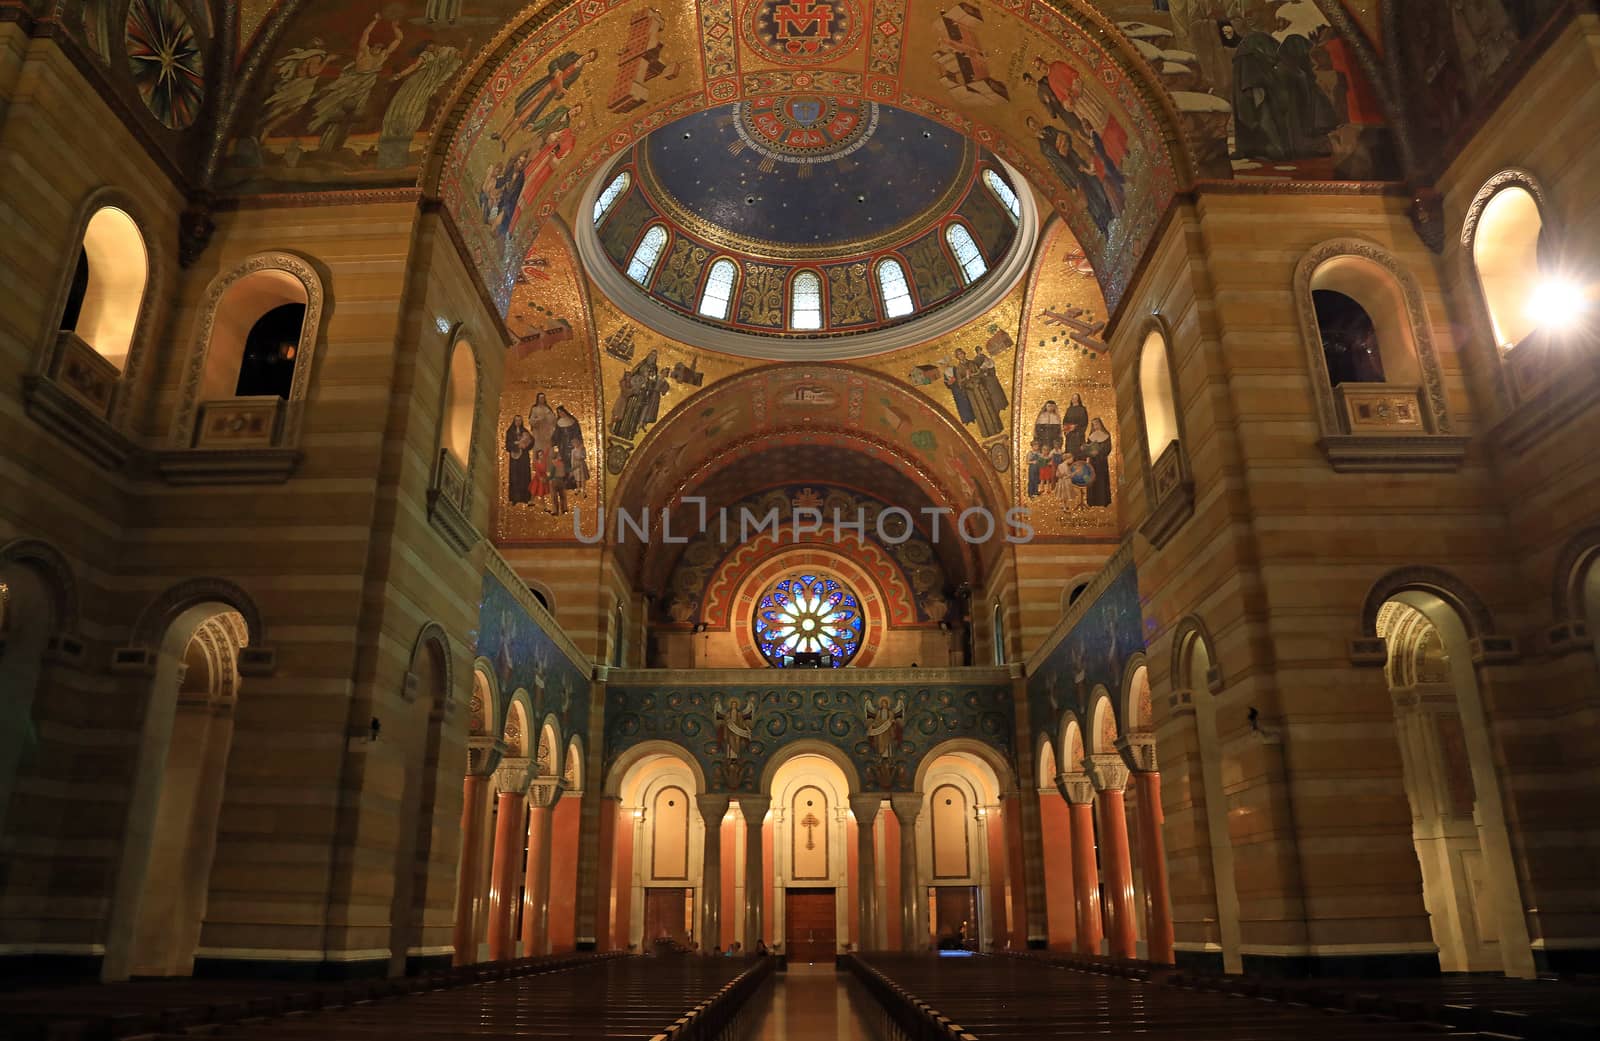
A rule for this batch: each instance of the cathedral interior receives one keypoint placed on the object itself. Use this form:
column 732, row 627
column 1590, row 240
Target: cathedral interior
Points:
column 1063, row 517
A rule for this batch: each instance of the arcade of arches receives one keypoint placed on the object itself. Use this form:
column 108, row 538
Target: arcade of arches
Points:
column 485, row 479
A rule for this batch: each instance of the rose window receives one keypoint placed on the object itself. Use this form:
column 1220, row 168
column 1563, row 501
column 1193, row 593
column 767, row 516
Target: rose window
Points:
column 809, row 621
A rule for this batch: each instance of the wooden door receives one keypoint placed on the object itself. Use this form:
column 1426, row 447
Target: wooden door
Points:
column 810, row 929
column 665, row 915
column 955, row 917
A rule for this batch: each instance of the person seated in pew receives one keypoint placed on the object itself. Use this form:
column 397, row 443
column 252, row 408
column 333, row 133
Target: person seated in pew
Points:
column 736, row 950
column 761, row 947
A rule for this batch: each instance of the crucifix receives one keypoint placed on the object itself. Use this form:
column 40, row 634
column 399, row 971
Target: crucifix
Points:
column 810, row 822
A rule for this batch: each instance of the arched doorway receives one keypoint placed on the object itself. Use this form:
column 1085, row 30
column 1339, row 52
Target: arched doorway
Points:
column 163, row 880
column 412, row 738
column 1197, row 673
column 1469, row 882
column 814, row 913
column 962, row 846
column 658, row 851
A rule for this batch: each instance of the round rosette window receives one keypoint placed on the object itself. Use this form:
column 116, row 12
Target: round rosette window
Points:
column 809, row 621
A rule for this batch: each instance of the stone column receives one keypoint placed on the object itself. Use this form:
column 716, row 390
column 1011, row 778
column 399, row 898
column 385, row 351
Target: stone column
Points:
column 865, row 808
column 1079, row 793
column 754, row 808
column 464, row 939
column 1140, row 752
column 509, row 833
column 542, row 797
column 907, row 807
column 1109, row 775
column 605, row 871
column 712, row 809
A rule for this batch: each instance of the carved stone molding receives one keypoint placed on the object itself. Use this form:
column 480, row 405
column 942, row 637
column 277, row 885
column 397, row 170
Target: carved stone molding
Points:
column 544, row 793
column 1474, row 613
column 183, row 424
column 1367, row 652
column 1490, row 649
column 1076, row 788
column 1511, row 177
column 1139, row 752
column 1106, row 771
column 755, row 807
column 159, row 613
column 1394, row 453
column 431, row 632
column 206, row 466
column 1568, row 637
column 511, row 775
column 69, row 419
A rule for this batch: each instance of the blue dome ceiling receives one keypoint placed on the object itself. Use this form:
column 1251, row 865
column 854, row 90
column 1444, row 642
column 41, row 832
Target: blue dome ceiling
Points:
column 812, row 173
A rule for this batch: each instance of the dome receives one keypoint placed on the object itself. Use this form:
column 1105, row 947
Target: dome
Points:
column 846, row 224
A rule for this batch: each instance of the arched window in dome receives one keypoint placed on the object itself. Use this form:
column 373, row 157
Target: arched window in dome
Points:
column 718, row 294
column 966, row 251
column 1505, row 258
column 648, row 252
column 897, row 302
column 108, row 284
column 805, row 301
column 809, row 621
column 609, row 197
column 1003, row 192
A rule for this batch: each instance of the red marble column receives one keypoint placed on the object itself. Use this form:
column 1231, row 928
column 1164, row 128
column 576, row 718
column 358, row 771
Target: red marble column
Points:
column 1109, row 775
column 466, row 943
column 1158, row 899
column 1018, row 872
column 730, row 913
column 1055, row 825
column 1079, row 794
column 508, row 840
column 610, row 811
column 994, row 834
column 622, row 883
column 564, row 875
column 536, row 882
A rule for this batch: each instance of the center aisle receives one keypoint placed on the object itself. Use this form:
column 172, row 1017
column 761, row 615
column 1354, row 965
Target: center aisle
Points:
column 811, row 1002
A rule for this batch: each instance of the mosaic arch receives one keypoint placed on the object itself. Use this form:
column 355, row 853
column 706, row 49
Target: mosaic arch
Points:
column 734, row 732
column 769, row 406
column 1109, row 106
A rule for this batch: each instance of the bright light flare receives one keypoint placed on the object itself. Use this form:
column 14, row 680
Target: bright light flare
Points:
column 1558, row 304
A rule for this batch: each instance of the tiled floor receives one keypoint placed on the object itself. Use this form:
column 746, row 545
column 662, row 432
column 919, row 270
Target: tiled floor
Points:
column 815, row 1003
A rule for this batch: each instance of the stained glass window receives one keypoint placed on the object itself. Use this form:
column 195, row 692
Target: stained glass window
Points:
column 719, row 290
column 809, row 620
column 897, row 301
column 805, row 302
column 1002, row 191
column 609, row 197
column 649, row 251
column 966, row 251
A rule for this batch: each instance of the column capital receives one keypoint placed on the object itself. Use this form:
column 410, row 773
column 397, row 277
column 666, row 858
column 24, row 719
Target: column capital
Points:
column 1076, row 788
column 511, row 776
column 544, row 793
column 907, row 807
column 713, row 807
column 754, row 808
column 865, row 807
column 1139, row 750
column 1106, row 771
